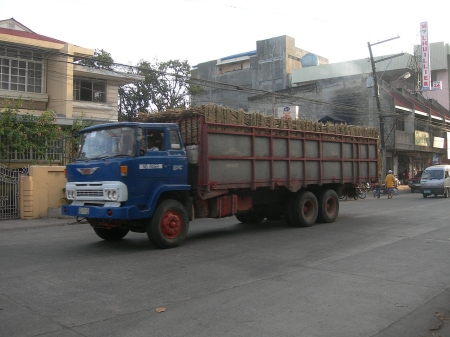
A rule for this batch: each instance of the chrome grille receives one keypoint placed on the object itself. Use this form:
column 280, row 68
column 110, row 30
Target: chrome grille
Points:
column 89, row 193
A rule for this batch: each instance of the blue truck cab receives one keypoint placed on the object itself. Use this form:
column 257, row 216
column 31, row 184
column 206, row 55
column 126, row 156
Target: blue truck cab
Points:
column 131, row 176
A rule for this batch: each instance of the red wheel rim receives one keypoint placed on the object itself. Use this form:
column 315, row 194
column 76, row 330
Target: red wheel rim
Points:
column 171, row 224
column 308, row 209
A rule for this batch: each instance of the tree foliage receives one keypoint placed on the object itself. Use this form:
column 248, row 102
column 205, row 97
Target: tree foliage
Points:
column 100, row 60
column 23, row 133
column 26, row 133
column 167, row 85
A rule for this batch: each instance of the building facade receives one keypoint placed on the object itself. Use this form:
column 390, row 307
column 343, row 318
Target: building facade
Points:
column 40, row 71
column 234, row 77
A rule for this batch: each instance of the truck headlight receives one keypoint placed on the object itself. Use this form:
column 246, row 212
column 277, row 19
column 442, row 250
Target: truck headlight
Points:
column 70, row 194
column 111, row 194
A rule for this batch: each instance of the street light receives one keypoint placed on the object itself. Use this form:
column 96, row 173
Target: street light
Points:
column 404, row 76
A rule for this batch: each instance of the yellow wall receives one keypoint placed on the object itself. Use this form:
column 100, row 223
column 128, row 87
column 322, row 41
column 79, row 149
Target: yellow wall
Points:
column 41, row 190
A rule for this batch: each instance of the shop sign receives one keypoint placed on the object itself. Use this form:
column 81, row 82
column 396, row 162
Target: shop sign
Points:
column 425, row 60
column 422, row 138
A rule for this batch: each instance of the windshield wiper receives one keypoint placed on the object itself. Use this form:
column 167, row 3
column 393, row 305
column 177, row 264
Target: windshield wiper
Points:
column 118, row 155
column 102, row 156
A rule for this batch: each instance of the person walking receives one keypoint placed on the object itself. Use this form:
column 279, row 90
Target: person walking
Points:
column 390, row 183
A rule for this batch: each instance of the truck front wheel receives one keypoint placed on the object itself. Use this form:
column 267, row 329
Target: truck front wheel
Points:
column 112, row 234
column 304, row 209
column 328, row 206
column 169, row 226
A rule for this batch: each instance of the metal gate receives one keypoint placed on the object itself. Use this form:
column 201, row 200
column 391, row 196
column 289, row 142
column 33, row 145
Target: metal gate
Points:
column 9, row 191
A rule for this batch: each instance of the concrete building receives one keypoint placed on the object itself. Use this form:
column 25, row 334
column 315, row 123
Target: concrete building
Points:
column 266, row 68
column 273, row 78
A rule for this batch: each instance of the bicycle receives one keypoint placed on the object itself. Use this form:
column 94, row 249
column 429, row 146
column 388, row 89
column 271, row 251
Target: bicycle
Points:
column 383, row 191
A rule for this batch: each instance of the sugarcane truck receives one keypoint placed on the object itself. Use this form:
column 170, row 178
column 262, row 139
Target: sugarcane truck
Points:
column 205, row 169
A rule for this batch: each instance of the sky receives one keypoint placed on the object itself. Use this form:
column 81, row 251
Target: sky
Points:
column 203, row 30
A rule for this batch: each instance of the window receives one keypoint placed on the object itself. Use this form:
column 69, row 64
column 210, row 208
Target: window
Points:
column 175, row 143
column 89, row 90
column 21, row 70
column 400, row 123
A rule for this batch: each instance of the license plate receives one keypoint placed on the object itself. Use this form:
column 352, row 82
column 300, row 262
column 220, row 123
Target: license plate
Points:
column 426, row 191
column 83, row 210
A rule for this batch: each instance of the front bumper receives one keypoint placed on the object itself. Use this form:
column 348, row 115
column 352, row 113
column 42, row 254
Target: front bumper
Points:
column 432, row 190
column 100, row 212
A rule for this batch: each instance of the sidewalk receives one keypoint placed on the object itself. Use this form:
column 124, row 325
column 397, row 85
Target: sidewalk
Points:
column 19, row 224
column 404, row 189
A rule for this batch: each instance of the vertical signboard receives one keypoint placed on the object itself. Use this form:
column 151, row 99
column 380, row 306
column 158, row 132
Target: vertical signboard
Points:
column 448, row 145
column 425, row 49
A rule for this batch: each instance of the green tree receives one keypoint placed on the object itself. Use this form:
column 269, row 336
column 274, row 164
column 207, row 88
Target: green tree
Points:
column 26, row 133
column 101, row 60
column 22, row 133
column 167, row 85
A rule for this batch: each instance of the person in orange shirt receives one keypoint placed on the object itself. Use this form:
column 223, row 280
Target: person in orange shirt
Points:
column 390, row 183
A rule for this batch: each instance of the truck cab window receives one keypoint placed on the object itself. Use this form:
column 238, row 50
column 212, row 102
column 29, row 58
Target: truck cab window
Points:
column 175, row 143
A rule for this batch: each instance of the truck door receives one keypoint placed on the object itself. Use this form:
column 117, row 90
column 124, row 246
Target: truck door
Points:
column 178, row 159
column 165, row 166
column 154, row 164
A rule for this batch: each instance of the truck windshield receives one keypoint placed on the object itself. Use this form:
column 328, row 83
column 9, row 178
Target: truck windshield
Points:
column 112, row 142
column 433, row 174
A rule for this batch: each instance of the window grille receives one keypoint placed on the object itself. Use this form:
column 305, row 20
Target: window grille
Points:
column 21, row 70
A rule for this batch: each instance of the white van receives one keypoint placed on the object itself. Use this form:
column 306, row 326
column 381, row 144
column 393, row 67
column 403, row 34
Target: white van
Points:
column 435, row 180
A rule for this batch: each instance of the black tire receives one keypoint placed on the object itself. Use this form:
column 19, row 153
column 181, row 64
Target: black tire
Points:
column 425, row 195
column 113, row 234
column 274, row 218
column 395, row 191
column 304, row 209
column 328, row 206
column 169, row 226
column 254, row 217
column 241, row 217
column 362, row 195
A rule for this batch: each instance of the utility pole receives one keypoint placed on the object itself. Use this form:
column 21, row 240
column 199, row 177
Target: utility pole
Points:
column 377, row 99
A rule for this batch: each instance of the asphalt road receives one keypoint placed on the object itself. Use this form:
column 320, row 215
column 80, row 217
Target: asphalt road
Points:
column 382, row 269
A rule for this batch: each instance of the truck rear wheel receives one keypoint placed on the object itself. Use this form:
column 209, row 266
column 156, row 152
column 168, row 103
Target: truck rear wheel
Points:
column 304, row 209
column 169, row 226
column 328, row 206
column 113, row 234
